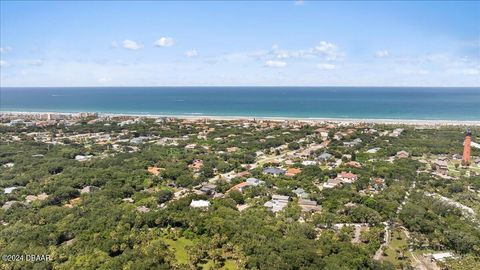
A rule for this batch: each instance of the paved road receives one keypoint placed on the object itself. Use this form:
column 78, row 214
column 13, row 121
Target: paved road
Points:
column 378, row 253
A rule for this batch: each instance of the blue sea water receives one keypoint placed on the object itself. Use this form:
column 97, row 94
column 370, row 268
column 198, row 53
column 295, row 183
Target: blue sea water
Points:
column 302, row 102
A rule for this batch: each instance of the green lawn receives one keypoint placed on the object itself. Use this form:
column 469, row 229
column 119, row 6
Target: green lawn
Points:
column 179, row 247
column 397, row 244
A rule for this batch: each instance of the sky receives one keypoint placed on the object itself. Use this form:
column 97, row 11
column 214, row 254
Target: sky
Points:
column 215, row 43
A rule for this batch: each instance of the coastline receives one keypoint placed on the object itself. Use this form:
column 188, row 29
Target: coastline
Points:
column 412, row 122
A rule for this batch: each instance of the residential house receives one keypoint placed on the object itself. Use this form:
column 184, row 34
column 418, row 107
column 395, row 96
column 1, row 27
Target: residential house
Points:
column 250, row 182
column 396, row 132
column 190, row 146
column 352, row 143
column 324, row 157
column 277, row 203
column 232, row 149
column 477, row 161
column 199, row 204
column 338, row 136
column 291, row 172
column 377, row 184
column 353, row 164
column 242, row 174
column 88, row 189
column 9, row 204
column 240, row 187
column 300, row 192
column 9, row 190
column 372, row 150
column 331, row 183
column 402, row 154
column 254, row 181
column 457, row 156
column 274, row 171
column 309, row 163
column 208, row 189
column 82, row 158
column 441, row 256
column 441, row 166
column 138, row 140
column 347, row 177
column 309, row 205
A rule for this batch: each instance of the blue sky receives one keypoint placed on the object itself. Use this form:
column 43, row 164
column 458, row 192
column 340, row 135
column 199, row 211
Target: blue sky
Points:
column 301, row 43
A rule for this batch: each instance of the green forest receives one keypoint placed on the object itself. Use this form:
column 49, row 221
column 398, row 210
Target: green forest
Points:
column 110, row 212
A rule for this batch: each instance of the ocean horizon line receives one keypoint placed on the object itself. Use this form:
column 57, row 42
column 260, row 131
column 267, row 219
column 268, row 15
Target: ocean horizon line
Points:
column 238, row 86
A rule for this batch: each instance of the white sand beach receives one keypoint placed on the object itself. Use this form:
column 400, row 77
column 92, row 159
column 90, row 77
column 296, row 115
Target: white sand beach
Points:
column 413, row 122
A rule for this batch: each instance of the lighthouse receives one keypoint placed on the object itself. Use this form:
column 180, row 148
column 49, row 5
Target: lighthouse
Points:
column 466, row 148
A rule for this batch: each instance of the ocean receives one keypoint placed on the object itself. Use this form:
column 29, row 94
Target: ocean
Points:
column 298, row 102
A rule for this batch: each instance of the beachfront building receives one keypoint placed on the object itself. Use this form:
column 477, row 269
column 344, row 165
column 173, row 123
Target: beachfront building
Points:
column 396, row 132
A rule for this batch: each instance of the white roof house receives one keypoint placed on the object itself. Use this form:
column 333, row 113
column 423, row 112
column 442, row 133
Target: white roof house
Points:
column 9, row 190
column 199, row 203
column 277, row 203
column 441, row 256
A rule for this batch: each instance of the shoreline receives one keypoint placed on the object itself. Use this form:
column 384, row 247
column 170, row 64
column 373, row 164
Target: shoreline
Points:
column 413, row 122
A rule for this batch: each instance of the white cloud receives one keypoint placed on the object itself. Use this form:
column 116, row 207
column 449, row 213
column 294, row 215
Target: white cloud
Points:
column 324, row 49
column 382, row 53
column 5, row 49
column 131, row 45
column 3, row 63
column 275, row 64
column 165, row 42
column 191, row 53
column 325, row 66
column 328, row 49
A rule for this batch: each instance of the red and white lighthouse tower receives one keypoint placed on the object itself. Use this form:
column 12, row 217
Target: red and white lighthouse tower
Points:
column 466, row 148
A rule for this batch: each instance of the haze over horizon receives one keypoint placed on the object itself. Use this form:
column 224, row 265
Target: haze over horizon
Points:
column 290, row 43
